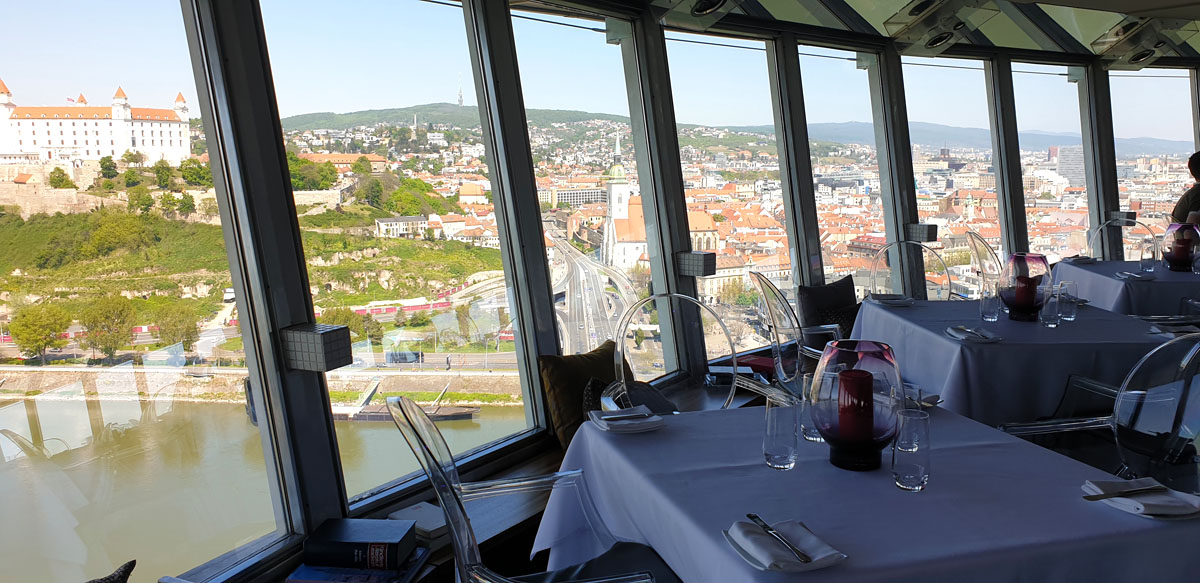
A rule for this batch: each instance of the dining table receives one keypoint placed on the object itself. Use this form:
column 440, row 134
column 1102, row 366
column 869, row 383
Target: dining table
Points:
column 996, row 508
column 1158, row 293
column 1021, row 377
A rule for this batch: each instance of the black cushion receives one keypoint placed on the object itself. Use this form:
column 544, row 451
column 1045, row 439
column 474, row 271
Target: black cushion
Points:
column 816, row 302
column 843, row 316
column 623, row 558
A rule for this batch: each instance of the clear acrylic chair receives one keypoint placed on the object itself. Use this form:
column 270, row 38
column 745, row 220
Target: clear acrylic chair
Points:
column 883, row 280
column 984, row 261
column 785, row 335
column 1155, row 420
column 641, row 351
column 623, row 562
column 1135, row 236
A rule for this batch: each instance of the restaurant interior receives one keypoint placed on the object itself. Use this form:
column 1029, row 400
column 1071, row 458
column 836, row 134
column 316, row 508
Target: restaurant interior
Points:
column 988, row 380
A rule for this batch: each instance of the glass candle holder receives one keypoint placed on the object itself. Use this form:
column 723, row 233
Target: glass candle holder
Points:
column 1024, row 286
column 855, row 393
column 1179, row 246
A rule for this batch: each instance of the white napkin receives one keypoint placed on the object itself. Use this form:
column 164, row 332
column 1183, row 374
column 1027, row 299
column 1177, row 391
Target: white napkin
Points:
column 629, row 425
column 1080, row 260
column 962, row 336
column 1168, row 503
column 770, row 552
column 1134, row 276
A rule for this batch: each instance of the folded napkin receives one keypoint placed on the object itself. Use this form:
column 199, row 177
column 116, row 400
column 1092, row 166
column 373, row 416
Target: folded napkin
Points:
column 893, row 300
column 1080, row 260
column 1174, row 329
column 600, row 418
column 1166, row 503
column 986, row 336
column 771, row 553
column 1132, row 276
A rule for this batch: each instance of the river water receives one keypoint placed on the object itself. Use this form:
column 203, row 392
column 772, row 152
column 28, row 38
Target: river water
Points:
column 171, row 484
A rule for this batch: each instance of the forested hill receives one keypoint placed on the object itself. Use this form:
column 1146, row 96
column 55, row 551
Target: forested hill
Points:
column 466, row 116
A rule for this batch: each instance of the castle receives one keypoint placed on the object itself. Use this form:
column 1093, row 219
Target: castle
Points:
column 79, row 132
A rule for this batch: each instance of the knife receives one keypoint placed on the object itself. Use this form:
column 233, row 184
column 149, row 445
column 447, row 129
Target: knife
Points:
column 803, row 558
column 1124, row 493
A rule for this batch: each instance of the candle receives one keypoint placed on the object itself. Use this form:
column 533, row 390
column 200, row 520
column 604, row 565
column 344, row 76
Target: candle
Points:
column 1181, row 253
column 1025, row 292
column 856, row 406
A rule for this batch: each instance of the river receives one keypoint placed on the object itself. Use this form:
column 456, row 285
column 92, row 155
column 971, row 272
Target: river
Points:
column 172, row 488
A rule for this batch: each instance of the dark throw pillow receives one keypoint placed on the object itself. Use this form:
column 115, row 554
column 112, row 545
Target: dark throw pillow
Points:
column 565, row 379
column 843, row 316
column 813, row 299
column 121, row 575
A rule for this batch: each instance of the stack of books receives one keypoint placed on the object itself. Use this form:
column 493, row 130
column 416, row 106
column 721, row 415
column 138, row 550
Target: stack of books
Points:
column 357, row 550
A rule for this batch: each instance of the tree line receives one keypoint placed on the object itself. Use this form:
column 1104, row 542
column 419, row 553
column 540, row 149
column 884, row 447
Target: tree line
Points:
column 109, row 321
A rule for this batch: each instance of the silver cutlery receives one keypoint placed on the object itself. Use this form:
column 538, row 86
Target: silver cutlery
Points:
column 800, row 556
column 972, row 332
column 626, row 417
column 1124, row 493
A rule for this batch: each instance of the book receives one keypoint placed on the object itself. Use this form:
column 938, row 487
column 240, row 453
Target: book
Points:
column 361, row 543
column 317, row 574
column 431, row 521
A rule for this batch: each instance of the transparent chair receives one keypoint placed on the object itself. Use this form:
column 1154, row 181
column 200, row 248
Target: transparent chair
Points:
column 786, row 336
column 1154, row 424
column 984, row 261
column 623, row 562
column 883, row 280
column 641, row 350
column 1135, row 236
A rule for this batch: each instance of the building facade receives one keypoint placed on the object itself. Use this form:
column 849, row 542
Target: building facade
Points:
column 81, row 131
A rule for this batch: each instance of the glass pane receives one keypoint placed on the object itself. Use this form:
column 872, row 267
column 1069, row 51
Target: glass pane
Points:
column 395, row 205
column 841, row 131
column 731, row 173
column 124, row 430
column 1153, row 142
column 1052, row 169
column 952, row 160
column 1083, row 24
column 587, row 173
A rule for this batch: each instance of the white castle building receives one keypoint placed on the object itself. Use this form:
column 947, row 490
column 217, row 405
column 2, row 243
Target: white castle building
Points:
column 84, row 132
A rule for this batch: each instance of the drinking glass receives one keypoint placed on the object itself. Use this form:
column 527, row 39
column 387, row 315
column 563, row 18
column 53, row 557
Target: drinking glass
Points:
column 781, row 442
column 807, row 429
column 1050, row 315
column 910, row 451
column 1068, row 298
column 1148, row 250
column 989, row 301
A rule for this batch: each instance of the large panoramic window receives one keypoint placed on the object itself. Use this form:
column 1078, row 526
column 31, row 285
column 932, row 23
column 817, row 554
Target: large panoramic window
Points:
column 399, row 229
column 952, row 163
column 587, row 174
column 846, row 173
column 124, row 431
column 1153, row 140
column 731, row 172
column 1052, row 160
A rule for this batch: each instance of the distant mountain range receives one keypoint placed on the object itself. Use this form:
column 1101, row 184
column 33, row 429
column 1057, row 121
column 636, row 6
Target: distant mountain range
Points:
column 929, row 135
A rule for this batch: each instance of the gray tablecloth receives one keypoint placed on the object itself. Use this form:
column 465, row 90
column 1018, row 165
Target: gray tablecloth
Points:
column 997, row 509
column 1159, row 297
column 1021, row 378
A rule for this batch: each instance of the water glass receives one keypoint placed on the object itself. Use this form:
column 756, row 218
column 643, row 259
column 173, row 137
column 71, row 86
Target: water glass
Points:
column 910, row 450
column 1068, row 306
column 808, row 430
column 989, row 301
column 1148, row 253
column 781, row 442
column 1050, row 315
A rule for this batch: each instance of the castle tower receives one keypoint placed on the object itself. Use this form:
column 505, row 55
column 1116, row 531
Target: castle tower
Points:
column 120, row 106
column 181, row 108
column 81, row 101
column 6, row 97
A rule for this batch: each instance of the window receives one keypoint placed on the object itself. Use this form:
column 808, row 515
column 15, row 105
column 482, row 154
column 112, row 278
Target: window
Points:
column 952, row 162
column 595, row 226
column 846, row 173
column 131, row 440
column 410, row 260
column 1152, row 143
column 731, row 172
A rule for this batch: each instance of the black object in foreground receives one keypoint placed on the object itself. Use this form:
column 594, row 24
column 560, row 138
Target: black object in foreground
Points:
column 361, row 543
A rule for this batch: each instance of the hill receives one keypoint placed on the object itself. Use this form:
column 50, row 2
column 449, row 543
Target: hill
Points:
column 466, row 116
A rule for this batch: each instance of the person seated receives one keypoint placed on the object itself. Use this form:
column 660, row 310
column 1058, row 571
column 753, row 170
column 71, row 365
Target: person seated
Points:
column 1190, row 201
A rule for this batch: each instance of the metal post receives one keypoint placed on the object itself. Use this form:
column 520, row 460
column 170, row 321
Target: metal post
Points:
column 1099, row 153
column 795, row 164
column 1006, row 153
column 1194, row 86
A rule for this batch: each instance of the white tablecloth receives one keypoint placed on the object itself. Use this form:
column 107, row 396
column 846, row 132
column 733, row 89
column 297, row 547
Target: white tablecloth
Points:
column 1021, row 378
column 996, row 508
column 1158, row 297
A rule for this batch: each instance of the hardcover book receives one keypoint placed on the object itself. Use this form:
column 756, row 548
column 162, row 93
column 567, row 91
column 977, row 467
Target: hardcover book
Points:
column 361, row 543
column 317, row 574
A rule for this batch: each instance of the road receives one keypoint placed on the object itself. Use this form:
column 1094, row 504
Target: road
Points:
column 589, row 314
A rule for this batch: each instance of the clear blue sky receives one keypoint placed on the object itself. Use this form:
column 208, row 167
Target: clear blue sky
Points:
column 372, row 54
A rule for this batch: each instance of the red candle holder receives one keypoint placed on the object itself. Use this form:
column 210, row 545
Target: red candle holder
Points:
column 855, row 393
column 1024, row 286
column 1179, row 246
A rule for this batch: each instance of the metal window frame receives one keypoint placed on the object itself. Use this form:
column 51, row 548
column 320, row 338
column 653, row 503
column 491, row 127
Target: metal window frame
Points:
column 1099, row 154
column 1006, row 153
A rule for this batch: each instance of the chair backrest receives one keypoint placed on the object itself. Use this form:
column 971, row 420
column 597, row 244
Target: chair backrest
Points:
column 831, row 303
column 1135, row 235
column 1156, row 418
column 436, row 460
column 785, row 333
column 984, row 260
column 644, row 352
column 882, row 277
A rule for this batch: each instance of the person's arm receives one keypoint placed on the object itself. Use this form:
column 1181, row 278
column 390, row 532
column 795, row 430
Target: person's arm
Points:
column 1180, row 212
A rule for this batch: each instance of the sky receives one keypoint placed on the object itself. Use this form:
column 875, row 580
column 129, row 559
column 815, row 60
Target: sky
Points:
column 375, row 54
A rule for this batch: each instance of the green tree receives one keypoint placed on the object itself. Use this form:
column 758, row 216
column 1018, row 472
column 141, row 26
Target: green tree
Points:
column 361, row 166
column 109, row 321
column 638, row 338
column 108, row 185
column 177, row 323
column 168, row 202
column 343, row 317
column 208, row 207
column 748, row 299
column 39, row 327
column 162, row 173
column 195, row 173
column 372, row 329
column 108, row 168
column 400, row 319
column 372, row 193
column 187, row 204
column 718, row 218
column 546, row 206
column 308, row 175
column 462, row 313
column 140, row 199
column 564, row 204
column 133, row 158
column 419, row 319
column 132, row 178
column 728, row 294
column 417, row 197
column 59, row 179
